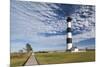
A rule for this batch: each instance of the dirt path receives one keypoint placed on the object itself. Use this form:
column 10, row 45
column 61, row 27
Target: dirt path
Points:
column 31, row 61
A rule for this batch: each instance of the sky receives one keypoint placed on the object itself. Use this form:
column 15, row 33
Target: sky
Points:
column 43, row 25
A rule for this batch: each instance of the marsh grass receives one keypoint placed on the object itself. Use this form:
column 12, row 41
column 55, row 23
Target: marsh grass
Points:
column 18, row 59
column 65, row 57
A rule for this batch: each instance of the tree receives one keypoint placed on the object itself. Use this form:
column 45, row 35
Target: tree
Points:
column 28, row 47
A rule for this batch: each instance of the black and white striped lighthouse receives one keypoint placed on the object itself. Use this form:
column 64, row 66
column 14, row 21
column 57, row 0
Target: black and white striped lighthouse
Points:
column 69, row 33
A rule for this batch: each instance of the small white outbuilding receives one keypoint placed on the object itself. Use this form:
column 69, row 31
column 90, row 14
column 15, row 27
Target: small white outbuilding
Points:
column 75, row 50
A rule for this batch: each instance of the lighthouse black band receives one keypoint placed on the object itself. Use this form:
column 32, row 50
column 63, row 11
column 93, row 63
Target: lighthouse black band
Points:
column 69, row 30
column 69, row 19
column 69, row 40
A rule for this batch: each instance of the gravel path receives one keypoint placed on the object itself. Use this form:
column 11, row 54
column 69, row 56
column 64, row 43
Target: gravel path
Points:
column 31, row 61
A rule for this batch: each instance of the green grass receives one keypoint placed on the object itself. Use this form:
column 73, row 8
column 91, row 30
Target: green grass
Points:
column 65, row 57
column 18, row 59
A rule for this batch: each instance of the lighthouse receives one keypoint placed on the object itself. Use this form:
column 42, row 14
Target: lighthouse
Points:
column 69, row 33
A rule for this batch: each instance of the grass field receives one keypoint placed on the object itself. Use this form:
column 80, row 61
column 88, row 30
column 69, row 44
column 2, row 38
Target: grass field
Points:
column 18, row 59
column 64, row 57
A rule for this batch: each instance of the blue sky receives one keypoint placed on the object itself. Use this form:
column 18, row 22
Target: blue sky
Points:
column 43, row 25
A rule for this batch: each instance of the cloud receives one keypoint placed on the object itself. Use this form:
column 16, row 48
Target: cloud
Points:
column 84, row 19
column 84, row 36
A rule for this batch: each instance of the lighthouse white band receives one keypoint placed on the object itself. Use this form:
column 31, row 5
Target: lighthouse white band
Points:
column 69, row 46
column 69, row 24
column 69, row 35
